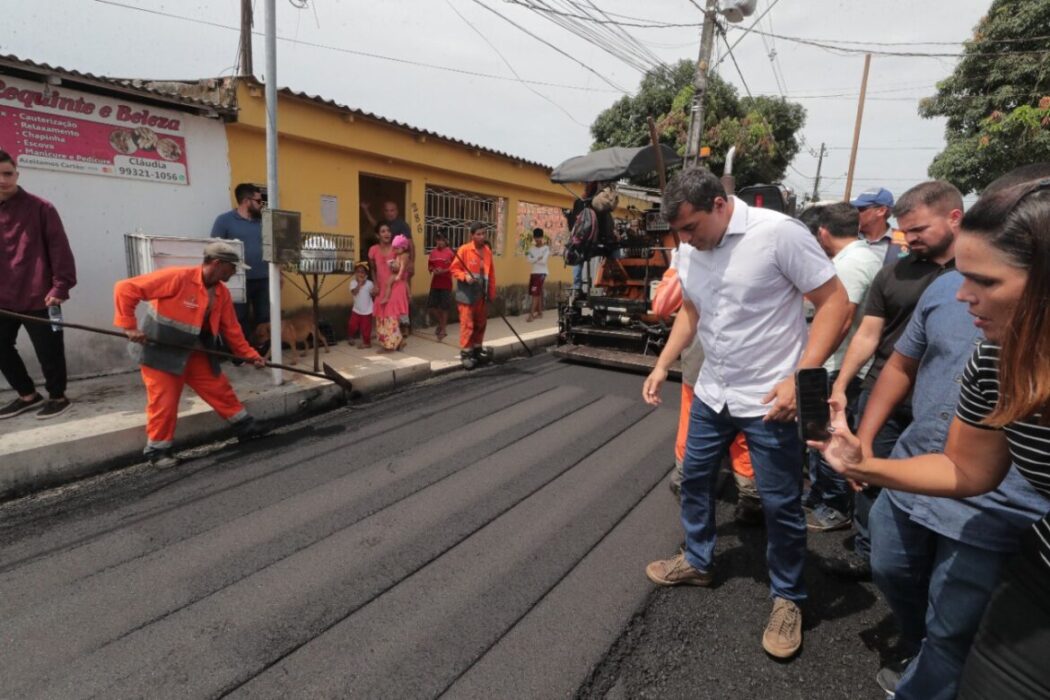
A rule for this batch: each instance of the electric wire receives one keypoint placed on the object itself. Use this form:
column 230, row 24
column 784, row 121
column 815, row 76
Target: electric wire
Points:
column 846, row 50
column 549, row 44
column 511, row 67
column 630, row 38
column 601, row 37
column 366, row 54
column 634, row 21
column 775, row 58
column 598, row 36
column 643, row 23
column 750, row 27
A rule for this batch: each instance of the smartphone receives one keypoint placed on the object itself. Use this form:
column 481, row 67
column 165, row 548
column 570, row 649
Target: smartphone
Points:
column 814, row 414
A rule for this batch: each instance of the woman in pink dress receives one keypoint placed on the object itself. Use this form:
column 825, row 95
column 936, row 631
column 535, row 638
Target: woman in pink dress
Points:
column 390, row 289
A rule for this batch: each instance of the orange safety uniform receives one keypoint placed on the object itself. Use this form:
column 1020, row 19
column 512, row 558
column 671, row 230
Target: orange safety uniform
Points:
column 181, row 313
column 476, row 285
column 739, row 455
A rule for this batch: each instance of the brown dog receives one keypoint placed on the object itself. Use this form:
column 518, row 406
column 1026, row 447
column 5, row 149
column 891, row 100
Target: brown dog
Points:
column 295, row 330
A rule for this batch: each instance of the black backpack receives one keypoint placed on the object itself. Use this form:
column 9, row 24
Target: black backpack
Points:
column 583, row 237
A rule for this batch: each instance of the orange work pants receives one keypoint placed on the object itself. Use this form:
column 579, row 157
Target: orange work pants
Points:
column 163, row 391
column 739, row 455
column 472, row 321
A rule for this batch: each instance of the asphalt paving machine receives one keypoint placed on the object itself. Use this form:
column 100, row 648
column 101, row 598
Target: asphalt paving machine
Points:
column 607, row 318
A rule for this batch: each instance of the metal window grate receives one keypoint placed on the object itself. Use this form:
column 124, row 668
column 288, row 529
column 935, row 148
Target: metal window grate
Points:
column 452, row 211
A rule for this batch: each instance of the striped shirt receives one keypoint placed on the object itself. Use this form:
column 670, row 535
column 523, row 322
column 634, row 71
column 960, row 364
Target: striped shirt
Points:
column 1028, row 440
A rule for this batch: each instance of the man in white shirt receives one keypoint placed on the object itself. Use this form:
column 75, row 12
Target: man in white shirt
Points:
column 743, row 272
column 830, row 499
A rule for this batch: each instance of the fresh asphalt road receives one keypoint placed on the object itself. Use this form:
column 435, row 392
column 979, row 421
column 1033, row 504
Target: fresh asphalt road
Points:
column 479, row 536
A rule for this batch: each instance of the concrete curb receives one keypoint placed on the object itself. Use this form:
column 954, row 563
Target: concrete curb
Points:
column 115, row 440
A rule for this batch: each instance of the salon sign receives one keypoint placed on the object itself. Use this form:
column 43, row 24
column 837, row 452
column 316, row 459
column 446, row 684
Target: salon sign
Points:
column 51, row 128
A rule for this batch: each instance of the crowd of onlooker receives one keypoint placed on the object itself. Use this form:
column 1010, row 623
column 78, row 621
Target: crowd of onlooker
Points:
column 935, row 334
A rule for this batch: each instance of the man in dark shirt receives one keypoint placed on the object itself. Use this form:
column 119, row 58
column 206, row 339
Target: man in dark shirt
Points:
column 391, row 217
column 36, row 272
column 929, row 215
column 245, row 224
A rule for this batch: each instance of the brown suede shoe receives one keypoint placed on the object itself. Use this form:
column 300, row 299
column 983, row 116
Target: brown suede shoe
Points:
column 783, row 635
column 676, row 571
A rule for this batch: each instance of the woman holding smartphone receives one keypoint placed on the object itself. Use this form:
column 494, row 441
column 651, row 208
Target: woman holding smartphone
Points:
column 1003, row 418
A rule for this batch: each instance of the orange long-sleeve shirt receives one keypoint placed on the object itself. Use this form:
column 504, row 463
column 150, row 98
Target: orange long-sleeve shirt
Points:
column 178, row 314
column 469, row 261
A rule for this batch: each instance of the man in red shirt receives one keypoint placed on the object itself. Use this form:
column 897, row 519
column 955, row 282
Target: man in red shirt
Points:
column 36, row 273
column 440, row 263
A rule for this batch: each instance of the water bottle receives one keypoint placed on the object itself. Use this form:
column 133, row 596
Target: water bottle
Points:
column 55, row 314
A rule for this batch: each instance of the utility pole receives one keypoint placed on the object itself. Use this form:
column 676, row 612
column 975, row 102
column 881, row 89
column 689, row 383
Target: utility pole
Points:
column 696, row 114
column 247, row 20
column 272, row 199
column 816, row 180
column 856, row 128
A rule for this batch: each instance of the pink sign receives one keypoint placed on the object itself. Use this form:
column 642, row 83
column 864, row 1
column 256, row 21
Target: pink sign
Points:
column 53, row 129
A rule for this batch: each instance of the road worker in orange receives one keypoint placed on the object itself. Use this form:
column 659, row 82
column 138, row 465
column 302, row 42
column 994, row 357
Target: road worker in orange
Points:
column 189, row 307
column 475, row 287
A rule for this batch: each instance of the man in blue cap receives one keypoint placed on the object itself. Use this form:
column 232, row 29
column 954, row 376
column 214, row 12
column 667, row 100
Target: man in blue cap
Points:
column 874, row 207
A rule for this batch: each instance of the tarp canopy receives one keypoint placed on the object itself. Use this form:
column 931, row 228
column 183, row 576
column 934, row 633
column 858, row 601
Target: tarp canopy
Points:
column 613, row 164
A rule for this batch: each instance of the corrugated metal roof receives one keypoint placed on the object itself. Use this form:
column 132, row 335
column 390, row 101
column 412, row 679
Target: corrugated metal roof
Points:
column 141, row 88
column 407, row 127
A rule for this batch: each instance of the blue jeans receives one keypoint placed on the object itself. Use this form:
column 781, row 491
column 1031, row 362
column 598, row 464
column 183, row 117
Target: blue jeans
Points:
column 577, row 276
column 938, row 589
column 776, row 455
column 883, row 444
column 257, row 308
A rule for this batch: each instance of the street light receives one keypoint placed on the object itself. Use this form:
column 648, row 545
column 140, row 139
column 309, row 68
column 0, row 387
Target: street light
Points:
column 736, row 10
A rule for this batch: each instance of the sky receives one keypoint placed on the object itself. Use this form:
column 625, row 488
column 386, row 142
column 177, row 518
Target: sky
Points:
column 456, row 66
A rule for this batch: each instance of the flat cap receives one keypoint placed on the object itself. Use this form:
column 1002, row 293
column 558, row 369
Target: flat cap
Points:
column 221, row 250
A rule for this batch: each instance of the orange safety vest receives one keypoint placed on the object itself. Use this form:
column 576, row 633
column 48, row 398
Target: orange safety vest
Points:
column 479, row 264
column 178, row 304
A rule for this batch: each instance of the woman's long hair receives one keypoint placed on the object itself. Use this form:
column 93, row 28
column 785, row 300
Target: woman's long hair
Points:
column 1016, row 221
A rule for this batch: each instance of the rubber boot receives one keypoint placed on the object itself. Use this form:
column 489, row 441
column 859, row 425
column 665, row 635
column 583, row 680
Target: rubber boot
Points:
column 250, row 429
column 466, row 357
column 484, row 355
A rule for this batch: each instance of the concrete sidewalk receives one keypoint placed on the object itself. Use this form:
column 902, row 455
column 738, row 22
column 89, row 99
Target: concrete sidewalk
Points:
column 105, row 426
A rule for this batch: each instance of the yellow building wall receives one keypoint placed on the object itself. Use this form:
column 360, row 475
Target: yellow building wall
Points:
column 323, row 150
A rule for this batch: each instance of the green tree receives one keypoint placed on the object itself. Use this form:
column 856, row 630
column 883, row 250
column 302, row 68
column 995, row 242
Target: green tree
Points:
column 763, row 129
column 997, row 100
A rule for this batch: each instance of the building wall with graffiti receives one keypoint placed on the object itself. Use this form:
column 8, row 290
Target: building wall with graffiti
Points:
column 551, row 219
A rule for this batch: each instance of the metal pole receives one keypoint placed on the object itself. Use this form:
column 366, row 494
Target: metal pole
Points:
column 856, row 128
column 272, row 199
column 660, row 170
column 696, row 115
column 816, row 180
column 247, row 21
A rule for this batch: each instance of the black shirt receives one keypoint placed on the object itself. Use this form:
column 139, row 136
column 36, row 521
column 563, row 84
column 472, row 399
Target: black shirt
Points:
column 399, row 226
column 892, row 297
